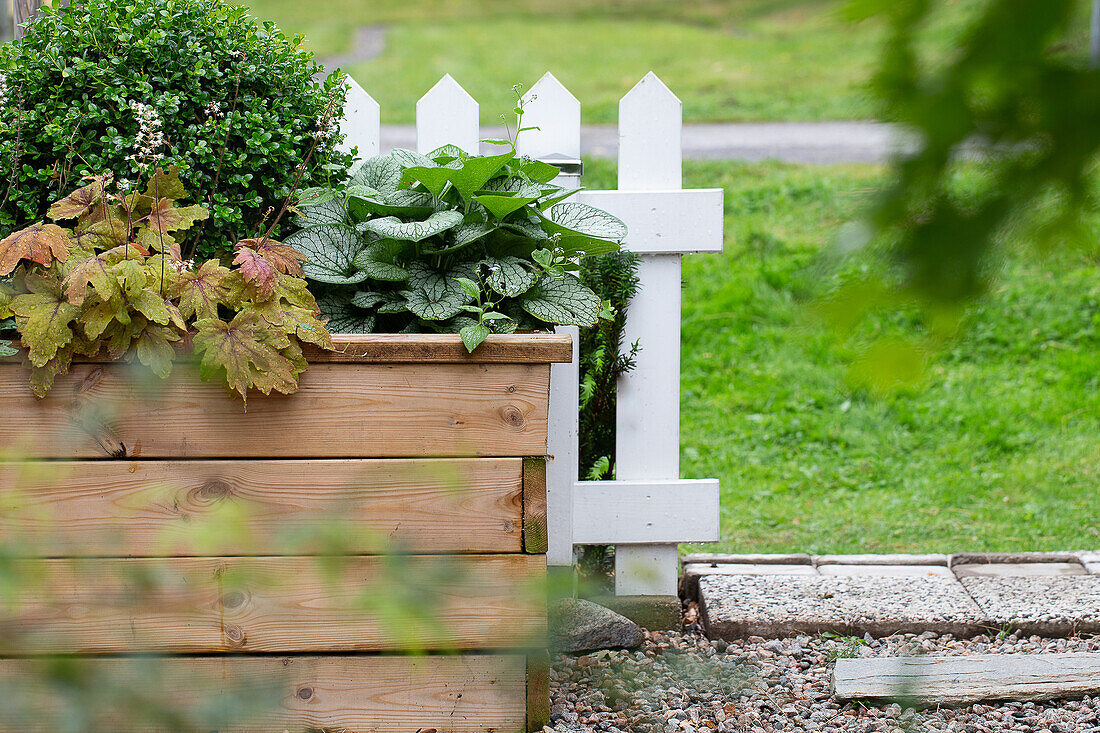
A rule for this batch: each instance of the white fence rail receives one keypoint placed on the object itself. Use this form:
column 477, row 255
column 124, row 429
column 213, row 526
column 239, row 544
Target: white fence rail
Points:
column 648, row 509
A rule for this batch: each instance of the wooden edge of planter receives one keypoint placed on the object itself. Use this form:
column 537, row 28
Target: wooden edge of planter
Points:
column 432, row 348
column 538, row 690
column 446, row 348
column 535, row 539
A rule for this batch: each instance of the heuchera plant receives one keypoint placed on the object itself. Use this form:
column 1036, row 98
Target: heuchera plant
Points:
column 112, row 281
column 452, row 242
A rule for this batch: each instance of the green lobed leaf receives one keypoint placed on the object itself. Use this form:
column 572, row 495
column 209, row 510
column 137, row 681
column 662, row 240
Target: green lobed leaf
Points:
column 563, row 300
column 330, row 252
column 501, row 206
column 476, row 172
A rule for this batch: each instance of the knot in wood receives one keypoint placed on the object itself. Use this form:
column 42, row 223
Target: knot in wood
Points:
column 512, row 416
column 234, row 634
column 305, row 693
column 233, row 599
column 214, row 489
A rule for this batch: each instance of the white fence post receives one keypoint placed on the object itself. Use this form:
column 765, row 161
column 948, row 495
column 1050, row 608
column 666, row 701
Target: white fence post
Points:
column 551, row 107
column 361, row 124
column 447, row 115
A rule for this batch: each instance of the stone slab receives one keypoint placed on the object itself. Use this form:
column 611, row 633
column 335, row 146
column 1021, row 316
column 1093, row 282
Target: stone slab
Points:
column 1019, row 569
column 1053, row 605
column 975, row 558
column 735, row 606
column 1089, row 557
column 794, row 558
column 896, row 571
column 925, row 559
column 689, row 581
column 1093, row 567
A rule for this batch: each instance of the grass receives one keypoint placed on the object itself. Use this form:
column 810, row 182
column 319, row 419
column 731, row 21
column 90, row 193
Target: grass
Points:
column 726, row 59
column 998, row 448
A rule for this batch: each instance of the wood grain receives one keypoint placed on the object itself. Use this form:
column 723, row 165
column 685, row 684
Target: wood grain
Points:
column 446, row 348
column 345, row 506
column 342, row 411
column 535, row 537
column 953, row 680
column 282, row 605
column 358, row 694
column 538, row 690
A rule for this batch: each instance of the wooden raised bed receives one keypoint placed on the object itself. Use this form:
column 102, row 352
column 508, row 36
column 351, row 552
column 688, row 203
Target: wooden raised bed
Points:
column 393, row 442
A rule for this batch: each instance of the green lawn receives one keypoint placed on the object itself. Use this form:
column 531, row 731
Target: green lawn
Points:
column 998, row 450
column 726, row 59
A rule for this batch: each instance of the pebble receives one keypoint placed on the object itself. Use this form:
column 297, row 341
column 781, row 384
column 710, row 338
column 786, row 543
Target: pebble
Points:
column 684, row 683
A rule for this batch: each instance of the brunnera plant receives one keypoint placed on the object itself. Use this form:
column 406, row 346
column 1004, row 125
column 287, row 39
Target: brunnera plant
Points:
column 113, row 282
column 452, row 242
column 118, row 85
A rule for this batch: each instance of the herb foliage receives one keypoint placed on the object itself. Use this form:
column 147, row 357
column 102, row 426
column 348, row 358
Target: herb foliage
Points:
column 454, row 243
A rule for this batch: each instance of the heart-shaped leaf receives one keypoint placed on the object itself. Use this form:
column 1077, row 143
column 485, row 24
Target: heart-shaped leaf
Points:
column 446, row 153
column 476, row 172
column 345, row 317
column 575, row 218
column 330, row 252
column 563, row 300
column 328, row 212
column 391, row 227
column 435, row 307
column 434, row 282
column 466, row 233
column 380, row 261
column 509, row 276
column 473, row 335
column 434, row 179
column 382, row 173
column 409, row 159
column 501, row 206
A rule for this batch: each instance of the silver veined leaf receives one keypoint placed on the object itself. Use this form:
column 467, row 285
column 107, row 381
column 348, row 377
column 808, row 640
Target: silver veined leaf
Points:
column 435, row 308
column 367, row 299
column 563, row 300
column 392, row 303
column 472, row 335
column 575, row 218
column 527, row 228
column 391, row 227
column 328, row 212
column 380, row 261
column 466, row 233
column 508, row 275
column 382, row 173
column 409, row 159
column 330, row 252
column 434, row 282
column 344, row 317
column 446, row 153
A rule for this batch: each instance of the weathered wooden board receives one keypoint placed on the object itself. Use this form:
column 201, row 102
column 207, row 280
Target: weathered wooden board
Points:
column 284, row 605
column 954, row 680
column 446, row 348
column 359, row 694
column 265, row 507
column 534, row 506
column 341, row 411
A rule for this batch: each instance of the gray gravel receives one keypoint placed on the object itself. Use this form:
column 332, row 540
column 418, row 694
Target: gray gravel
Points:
column 686, row 683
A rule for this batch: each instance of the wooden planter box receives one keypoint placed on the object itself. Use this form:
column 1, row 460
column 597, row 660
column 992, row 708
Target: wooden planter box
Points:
column 165, row 519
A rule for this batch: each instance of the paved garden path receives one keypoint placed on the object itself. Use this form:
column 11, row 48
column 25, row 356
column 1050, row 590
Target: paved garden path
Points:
column 1045, row 594
column 793, row 142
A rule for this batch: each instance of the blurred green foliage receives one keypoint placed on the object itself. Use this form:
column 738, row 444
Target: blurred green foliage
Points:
column 994, row 450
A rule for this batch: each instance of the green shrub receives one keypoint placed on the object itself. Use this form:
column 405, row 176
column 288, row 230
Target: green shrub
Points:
column 123, row 86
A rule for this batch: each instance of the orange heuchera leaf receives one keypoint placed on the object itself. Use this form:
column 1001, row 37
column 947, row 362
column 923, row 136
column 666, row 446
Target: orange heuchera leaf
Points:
column 80, row 202
column 41, row 243
column 256, row 269
column 166, row 217
column 283, row 257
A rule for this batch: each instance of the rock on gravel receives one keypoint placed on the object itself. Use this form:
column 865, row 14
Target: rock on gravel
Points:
column 577, row 625
column 684, row 683
column 780, row 605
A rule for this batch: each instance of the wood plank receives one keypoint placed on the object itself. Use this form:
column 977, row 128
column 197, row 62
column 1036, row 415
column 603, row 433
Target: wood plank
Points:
column 281, row 605
column 447, row 348
column 244, row 694
column 534, row 505
column 424, row 348
column 341, row 411
column 350, row 506
column 952, row 680
column 538, row 690
column 641, row 511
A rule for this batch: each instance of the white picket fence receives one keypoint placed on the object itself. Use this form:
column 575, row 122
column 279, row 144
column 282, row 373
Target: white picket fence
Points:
column 648, row 508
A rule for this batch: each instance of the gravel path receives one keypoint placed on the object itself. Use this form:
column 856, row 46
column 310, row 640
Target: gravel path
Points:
column 684, row 683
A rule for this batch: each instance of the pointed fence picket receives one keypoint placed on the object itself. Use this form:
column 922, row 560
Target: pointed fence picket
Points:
column 648, row 508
